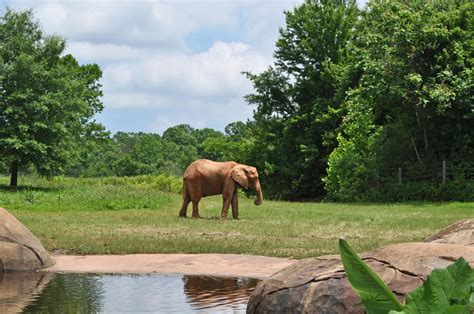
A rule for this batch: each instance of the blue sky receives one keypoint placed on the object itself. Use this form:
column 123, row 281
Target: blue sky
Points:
column 167, row 62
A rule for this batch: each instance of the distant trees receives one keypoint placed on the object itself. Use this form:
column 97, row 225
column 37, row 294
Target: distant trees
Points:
column 47, row 100
column 130, row 154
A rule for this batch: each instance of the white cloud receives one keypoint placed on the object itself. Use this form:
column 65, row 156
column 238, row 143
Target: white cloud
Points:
column 215, row 73
column 95, row 53
column 148, row 64
column 127, row 22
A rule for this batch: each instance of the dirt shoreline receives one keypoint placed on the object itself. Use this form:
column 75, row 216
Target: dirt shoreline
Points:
column 218, row 265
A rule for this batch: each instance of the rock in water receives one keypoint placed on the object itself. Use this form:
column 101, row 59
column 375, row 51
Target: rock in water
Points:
column 19, row 248
column 320, row 285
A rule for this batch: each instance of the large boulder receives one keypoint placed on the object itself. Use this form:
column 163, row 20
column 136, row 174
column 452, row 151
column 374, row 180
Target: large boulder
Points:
column 461, row 232
column 19, row 248
column 320, row 285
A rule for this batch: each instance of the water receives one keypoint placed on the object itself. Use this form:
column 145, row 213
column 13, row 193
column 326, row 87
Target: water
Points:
column 79, row 293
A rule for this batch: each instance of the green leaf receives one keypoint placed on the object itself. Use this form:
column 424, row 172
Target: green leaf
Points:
column 375, row 295
column 444, row 291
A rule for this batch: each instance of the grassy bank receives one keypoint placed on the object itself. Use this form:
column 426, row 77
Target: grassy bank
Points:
column 113, row 215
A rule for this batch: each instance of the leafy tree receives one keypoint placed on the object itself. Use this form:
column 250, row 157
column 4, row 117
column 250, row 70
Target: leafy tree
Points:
column 237, row 131
column 298, row 98
column 178, row 157
column 95, row 154
column 202, row 134
column 182, row 134
column 352, row 165
column 415, row 61
column 412, row 89
column 47, row 100
column 137, row 153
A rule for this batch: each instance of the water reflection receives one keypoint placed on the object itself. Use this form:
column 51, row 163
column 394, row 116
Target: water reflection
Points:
column 69, row 293
column 79, row 293
column 17, row 290
column 210, row 292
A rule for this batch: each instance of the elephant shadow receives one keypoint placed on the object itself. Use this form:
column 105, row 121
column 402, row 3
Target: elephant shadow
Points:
column 205, row 292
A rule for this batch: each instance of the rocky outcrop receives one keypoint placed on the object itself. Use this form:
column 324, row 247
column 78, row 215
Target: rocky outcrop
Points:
column 461, row 232
column 320, row 285
column 19, row 248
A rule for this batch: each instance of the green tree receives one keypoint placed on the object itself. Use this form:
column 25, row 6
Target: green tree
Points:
column 415, row 61
column 411, row 92
column 47, row 100
column 95, row 154
column 237, row 131
column 298, row 99
column 352, row 165
column 181, row 134
column 137, row 153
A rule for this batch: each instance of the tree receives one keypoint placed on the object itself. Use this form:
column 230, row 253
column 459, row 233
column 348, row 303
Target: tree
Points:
column 181, row 134
column 47, row 100
column 411, row 92
column 417, row 70
column 298, row 99
column 237, row 131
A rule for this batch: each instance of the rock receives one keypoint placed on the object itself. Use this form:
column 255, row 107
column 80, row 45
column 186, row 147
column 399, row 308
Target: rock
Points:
column 320, row 285
column 19, row 248
column 461, row 232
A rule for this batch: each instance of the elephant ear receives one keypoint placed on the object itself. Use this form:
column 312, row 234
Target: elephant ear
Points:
column 238, row 175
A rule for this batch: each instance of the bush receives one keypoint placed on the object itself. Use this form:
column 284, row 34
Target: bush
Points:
column 458, row 189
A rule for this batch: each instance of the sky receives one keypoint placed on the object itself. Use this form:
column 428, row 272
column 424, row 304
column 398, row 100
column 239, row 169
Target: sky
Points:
column 167, row 62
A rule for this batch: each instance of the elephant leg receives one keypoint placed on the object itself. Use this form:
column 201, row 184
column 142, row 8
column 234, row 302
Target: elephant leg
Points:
column 184, row 207
column 235, row 206
column 196, row 208
column 225, row 205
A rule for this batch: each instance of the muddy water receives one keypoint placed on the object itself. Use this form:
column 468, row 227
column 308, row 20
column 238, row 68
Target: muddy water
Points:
column 80, row 293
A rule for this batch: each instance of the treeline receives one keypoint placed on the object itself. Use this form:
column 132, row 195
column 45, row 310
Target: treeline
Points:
column 133, row 154
column 352, row 92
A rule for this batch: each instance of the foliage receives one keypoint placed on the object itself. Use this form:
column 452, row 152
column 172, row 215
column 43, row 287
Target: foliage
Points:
column 444, row 291
column 297, row 99
column 135, row 154
column 457, row 189
column 412, row 66
column 448, row 290
column 351, row 166
column 47, row 100
column 375, row 295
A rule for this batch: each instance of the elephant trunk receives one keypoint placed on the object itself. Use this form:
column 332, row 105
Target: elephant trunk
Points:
column 259, row 198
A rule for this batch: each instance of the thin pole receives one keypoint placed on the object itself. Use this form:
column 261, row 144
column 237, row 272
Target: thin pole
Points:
column 444, row 172
column 399, row 176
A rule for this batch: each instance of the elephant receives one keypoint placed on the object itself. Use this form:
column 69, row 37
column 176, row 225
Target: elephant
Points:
column 205, row 177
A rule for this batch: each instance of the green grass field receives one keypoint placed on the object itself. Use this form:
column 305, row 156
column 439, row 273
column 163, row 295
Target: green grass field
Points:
column 98, row 216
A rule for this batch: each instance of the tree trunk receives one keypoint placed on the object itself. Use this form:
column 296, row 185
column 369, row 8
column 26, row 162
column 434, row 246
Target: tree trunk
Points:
column 414, row 147
column 14, row 173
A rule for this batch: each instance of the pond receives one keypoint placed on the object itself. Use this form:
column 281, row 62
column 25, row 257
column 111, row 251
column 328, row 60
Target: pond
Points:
column 81, row 293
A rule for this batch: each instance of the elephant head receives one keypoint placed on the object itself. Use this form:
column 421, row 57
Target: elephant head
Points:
column 247, row 177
